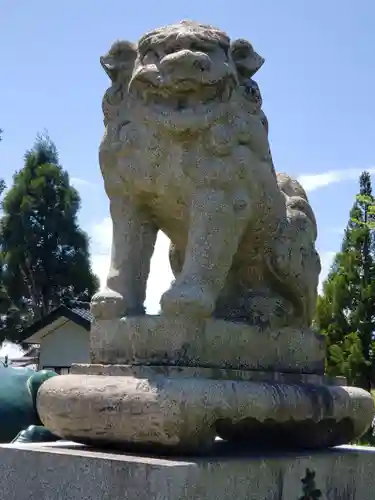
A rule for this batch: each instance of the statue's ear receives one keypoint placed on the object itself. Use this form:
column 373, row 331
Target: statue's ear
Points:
column 246, row 60
column 120, row 58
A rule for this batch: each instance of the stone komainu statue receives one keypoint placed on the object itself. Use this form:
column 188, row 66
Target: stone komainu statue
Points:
column 186, row 151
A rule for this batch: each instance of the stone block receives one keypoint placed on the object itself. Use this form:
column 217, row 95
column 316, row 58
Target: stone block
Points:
column 68, row 471
column 159, row 340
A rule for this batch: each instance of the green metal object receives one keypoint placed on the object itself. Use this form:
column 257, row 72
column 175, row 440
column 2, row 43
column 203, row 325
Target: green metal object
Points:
column 35, row 434
column 18, row 391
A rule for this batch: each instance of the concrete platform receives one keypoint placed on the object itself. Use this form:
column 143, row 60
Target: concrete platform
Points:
column 69, row 471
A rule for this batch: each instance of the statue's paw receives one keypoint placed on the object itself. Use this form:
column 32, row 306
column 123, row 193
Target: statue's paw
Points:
column 190, row 300
column 107, row 304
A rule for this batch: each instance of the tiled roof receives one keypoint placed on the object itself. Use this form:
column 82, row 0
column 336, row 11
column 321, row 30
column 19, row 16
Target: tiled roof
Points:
column 84, row 313
column 78, row 312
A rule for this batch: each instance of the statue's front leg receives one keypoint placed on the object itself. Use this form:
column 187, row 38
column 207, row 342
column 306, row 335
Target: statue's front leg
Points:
column 217, row 221
column 133, row 242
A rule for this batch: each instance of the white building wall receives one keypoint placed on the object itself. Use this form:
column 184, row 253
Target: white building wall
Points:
column 67, row 344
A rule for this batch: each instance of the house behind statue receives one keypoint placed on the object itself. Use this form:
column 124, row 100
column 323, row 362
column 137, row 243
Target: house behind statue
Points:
column 58, row 340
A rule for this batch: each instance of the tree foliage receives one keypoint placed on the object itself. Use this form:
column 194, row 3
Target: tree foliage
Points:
column 45, row 253
column 2, row 182
column 4, row 300
column 346, row 309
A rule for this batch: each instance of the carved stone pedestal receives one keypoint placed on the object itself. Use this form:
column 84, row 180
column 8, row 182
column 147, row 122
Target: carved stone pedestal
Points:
column 183, row 408
column 183, row 341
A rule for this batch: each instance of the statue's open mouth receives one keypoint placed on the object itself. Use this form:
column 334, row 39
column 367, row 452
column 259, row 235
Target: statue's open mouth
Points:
column 184, row 97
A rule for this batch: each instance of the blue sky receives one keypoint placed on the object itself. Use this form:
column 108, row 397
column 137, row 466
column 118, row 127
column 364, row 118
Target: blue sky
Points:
column 317, row 84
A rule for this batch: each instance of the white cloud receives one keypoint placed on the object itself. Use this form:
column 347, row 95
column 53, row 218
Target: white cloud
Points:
column 9, row 349
column 100, row 266
column 160, row 273
column 77, row 182
column 101, row 234
column 315, row 181
column 326, row 259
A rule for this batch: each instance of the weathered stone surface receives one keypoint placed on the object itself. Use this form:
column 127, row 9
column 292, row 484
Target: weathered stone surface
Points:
column 186, row 413
column 186, row 151
column 147, row 371
column 215, row 343
column 68, row 471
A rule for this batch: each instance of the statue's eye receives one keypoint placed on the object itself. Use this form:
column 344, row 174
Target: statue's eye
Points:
column 171, row 50
column 149, row 56
column 200, row 47
column 240, row 52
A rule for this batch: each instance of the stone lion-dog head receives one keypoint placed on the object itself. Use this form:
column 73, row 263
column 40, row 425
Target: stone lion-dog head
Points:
column 182, row 72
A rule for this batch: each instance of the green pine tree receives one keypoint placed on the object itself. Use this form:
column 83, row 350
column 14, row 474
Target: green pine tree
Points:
column 346, row 309
column 45, row 253
column 4, row 300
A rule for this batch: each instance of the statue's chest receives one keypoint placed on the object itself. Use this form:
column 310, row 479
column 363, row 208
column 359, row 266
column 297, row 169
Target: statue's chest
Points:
column 150, row 161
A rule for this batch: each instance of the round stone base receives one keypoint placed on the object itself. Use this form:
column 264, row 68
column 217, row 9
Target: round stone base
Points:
column 185, row 413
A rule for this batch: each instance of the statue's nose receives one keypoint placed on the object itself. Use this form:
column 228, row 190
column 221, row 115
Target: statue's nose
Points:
column 186, row 60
